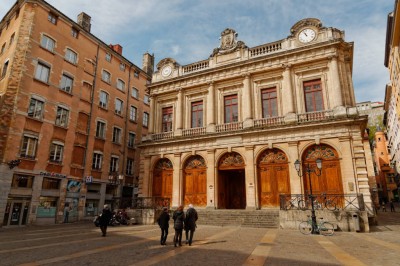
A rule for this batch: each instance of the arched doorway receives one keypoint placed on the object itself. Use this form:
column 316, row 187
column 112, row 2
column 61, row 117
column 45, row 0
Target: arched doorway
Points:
column 231, row 182
column 330, row 180
column 162, row 179
column 195, row 181
column 273, row 177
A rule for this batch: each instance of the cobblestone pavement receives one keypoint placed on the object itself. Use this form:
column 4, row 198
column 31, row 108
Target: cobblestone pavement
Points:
column 82, row 244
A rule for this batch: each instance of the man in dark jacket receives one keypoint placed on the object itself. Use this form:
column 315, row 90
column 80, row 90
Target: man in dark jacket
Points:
column 104, row 219
column 163, row 222
column 179, row 217
column 190, row 223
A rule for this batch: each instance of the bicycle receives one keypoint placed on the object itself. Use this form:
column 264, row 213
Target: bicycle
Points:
column 324, row 228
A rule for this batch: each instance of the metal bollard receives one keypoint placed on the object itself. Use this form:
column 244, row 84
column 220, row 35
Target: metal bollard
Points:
column 356, row 222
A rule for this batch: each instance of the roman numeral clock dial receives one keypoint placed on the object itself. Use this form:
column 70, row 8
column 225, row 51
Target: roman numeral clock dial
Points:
column 306, row 35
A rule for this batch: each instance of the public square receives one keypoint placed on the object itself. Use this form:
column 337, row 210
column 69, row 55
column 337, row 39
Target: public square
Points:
column 82, row 244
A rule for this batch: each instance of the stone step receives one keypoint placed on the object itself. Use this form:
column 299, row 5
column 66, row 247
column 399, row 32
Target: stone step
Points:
column 247, row 218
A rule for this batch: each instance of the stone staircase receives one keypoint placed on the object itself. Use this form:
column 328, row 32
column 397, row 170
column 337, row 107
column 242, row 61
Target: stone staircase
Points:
column 249, row 218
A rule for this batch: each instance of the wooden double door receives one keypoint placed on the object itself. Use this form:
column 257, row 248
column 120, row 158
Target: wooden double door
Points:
column 162, row 179
column 273, row 180
column 231, row 189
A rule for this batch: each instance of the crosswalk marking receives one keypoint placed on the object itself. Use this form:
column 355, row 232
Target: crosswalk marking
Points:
column 342, row 256
column 386, row 244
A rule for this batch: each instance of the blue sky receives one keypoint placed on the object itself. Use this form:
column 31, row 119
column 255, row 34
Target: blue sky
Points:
column 188, row 30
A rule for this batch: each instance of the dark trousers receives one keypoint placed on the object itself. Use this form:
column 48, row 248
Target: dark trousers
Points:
column 178, row 237
column 164, row 234
column 103, row 229
column 189, row 233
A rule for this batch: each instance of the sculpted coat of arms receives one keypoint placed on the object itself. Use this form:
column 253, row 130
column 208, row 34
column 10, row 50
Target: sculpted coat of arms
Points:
column 229, row 43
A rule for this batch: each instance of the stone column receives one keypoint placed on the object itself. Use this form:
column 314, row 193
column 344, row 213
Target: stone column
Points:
column 296, row 182
column 177, row 181
column 153, row 115
column 211, row 180
column 211, row 108
column 251, row 184
column 336, row 92
column 247, row 102
column 179, row 114
column 145, row 176
column 287, row 91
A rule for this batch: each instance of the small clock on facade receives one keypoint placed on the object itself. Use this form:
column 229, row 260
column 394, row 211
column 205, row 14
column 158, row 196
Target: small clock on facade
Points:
column 307, row 35
column 166, row 71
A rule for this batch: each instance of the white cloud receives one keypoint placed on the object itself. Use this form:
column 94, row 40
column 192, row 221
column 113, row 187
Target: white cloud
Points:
column 188, row 30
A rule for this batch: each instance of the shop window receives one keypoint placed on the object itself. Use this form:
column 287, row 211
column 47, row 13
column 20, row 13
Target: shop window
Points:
column 22, row 181
column 47, row 207
column 50, row 183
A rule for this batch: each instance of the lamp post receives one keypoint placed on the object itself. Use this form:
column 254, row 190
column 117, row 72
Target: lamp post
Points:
column 309, row 170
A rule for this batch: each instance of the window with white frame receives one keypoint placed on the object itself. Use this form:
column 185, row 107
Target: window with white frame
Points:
column 106, row 76
column 135, row 93
column 131, row 139
column 29, row 146
column 56, row 152
column 97, row 160
column 100, row 129
column 114, row 164
column 146, row 99
column 62, row 116
column 71, row 56
column 47, row 43
column 132, row 113
column 129, row 166
column 52, row 18
column 145, row 119
column 122, row 66
column 108, row 57
column 42, row 72
column 118, row 106
column 120, row 84
column 117, row 132
column 35, row 109
column 103, row 99
column 74, row 33
column 4, row 71
column 66, row 83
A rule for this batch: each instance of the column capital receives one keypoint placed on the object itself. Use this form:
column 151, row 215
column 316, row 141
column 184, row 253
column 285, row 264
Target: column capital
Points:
column 286, row 66
column 246, row 76
column 333, row 58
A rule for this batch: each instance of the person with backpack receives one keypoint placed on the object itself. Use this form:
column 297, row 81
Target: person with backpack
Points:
column 190, row 224
column 163, row 222
column 178, row 217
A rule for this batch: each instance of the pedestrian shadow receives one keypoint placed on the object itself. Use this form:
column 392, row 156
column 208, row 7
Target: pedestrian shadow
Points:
column 212, row 242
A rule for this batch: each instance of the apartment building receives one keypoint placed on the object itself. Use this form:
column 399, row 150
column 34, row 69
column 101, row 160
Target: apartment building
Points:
column 72, row 110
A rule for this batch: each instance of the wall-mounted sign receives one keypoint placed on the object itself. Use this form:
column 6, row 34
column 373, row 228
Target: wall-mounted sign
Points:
column 47, row 174
column 88, row 179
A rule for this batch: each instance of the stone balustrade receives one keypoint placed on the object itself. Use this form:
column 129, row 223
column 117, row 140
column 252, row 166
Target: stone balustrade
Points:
column 265, row 49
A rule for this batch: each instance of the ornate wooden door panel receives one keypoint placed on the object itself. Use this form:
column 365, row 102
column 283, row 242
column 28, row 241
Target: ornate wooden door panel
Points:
column 162, row 179
column 195, row 182
column 273, row 177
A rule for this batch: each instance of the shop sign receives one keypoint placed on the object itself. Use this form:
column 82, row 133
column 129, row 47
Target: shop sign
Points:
column 52, row 174
column 88, row 179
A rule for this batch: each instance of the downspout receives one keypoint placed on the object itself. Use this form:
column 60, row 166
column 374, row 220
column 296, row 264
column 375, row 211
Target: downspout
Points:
column 91, row 107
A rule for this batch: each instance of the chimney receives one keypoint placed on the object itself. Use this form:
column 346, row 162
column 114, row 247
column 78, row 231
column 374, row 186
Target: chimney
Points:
column 148, row 63
column 84, row 21
column 117, row 48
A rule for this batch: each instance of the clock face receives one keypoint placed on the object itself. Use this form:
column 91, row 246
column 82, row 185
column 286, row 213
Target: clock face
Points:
column 307, row 35
column 166, row 71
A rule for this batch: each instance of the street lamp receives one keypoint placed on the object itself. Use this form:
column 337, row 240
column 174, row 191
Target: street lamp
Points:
column 310, row 170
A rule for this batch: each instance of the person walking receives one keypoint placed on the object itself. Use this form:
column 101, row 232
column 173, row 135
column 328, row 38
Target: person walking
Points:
column 163, row 222
column 190, row 224
column 383, row 206
column 392, row 206
column 178, row 217
column 104, row 219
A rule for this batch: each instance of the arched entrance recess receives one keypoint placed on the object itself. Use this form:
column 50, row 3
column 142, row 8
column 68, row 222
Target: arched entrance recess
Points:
column 195, row 181
column 231, row 182
column 273, row 177
column 162, row 179
column 330, row 181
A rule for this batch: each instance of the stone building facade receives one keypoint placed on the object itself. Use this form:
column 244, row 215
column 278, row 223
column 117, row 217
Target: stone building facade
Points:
column 72, row 109
column 225, row 132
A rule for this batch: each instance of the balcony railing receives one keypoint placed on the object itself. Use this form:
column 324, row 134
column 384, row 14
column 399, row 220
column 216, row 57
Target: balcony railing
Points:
column 331, row 202
column 315, row 116
column 229, row 127
column 257, row 124
column 196, row 66
column 270, row 121
column 265, row 49
column 194, row 131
